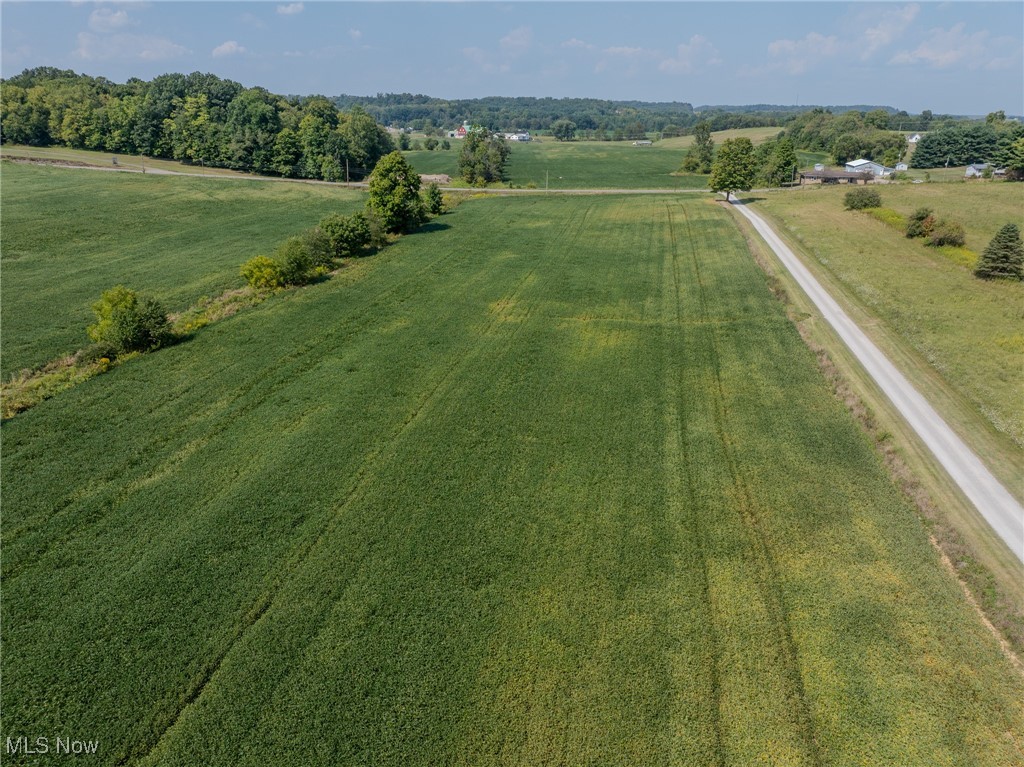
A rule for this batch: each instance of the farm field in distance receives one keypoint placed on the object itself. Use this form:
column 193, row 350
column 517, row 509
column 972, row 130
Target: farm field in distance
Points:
column 69, row 235
column 969, row 330
column 551, row 481
column 578, row 165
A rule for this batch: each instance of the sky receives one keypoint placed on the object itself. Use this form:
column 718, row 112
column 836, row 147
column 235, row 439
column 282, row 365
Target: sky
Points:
column 952, row 57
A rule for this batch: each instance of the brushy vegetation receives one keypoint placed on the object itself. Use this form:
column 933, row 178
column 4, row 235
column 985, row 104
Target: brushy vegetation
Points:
column 508, row 497
column 176, row 239
column 861, row 198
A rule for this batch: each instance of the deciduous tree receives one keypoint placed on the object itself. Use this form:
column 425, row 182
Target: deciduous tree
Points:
column 734, row 168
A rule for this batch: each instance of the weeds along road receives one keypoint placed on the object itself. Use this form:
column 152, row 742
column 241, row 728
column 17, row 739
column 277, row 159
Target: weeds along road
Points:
column 999, row 508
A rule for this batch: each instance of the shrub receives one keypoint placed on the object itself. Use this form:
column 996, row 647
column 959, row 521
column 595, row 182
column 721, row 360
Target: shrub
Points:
column 1003, row 256
column 947, row 233
column 294, row 261
column 921, row 224
column 859, row 199
column 347, row 236
column 318, row 246
column 128, row 322
column 433, row 200
column 262, row 273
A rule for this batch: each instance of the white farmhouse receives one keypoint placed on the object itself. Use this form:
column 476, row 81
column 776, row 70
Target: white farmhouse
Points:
column 914, row 139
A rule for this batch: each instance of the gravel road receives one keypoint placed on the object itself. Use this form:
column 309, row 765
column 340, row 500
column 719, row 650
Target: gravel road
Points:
column 1002, row 511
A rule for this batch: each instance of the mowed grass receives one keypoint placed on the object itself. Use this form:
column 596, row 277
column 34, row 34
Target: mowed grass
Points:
column 969, row 330
column 63, row 154
column 554, row 481
column 578, row 165
column 68, row 235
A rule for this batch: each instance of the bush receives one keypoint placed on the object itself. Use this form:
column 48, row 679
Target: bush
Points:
column 128, row 322
column 347, row 235
column 294, row 261
column 1003, row 256
column 859, row 199
column 433, row 200
column 947, row 233
column 262, row 273
column 318, row 246
column 921, row 224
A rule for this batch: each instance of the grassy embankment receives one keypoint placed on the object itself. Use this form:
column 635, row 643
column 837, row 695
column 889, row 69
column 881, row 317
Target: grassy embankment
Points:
column 63, row 154
column 70, row 235
column 959, row 339
column 554, row 482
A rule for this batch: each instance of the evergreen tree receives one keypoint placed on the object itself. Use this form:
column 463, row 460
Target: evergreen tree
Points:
column 1003, row 256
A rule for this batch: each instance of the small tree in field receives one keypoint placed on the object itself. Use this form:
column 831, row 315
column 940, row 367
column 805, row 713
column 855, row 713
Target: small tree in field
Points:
column 347, row 235
column 433, row 200
column 859, row 199
column 1003, row 256
column 127, row 321
column 395, row 194
column 734, row 169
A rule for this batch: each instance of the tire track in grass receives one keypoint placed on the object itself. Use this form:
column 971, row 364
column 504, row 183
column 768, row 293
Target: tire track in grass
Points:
column 768, row 580
column 678, row 460
column 281, row 372
column 306, row 549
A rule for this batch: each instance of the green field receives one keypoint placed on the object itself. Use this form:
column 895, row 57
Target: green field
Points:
column 553, row 481
column 968, row 330
column 63, row 154
column 578, row 165
column 69, row 235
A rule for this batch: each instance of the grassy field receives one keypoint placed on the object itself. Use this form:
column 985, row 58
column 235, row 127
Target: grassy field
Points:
column 59, row 154
column 968, row 330
column 756, row 135
column 553, row 481
column 578, row 165
column 69, row 235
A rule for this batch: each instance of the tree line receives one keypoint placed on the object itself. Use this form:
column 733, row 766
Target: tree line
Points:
column 196, row 118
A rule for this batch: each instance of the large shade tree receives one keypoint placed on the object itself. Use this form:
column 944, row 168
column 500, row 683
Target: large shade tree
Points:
column 734, row 168
column 395, row 194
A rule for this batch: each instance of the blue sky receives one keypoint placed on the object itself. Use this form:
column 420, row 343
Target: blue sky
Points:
column 960, row 57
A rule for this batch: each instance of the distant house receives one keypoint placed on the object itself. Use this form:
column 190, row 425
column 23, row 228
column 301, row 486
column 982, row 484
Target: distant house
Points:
column 977, row 170
column 460, row 132
column 914, row 139
column 902, row 166
column 819, row 166
column 643, row 143
column 824, row 176
column 861, row 166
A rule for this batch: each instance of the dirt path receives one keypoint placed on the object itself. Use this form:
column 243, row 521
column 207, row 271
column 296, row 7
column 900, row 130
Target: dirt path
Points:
column 999, row 508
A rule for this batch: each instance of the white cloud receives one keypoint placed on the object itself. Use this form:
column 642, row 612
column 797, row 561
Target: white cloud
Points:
column 290, row 9
column 577, row 43
column 517, row 41
column 228, row 48
column 127, row 46
column 863, row 37
column 625, row 50
column 108, row 20
column 800, row 55
column 889, row 28
column 944, row 48
column 355, row 34
column 691, row 56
